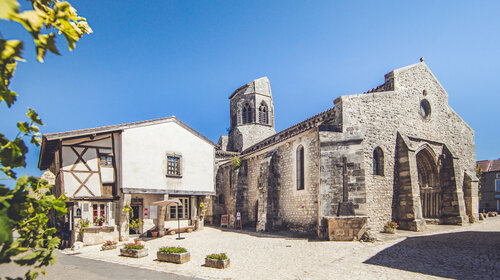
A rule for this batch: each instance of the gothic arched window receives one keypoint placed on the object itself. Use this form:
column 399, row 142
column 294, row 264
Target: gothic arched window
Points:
column 300, row 168
column 263, row 113
column 246, row 114
column 378, row 161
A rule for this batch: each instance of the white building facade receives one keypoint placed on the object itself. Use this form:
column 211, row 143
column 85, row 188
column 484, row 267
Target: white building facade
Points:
column 108, row 169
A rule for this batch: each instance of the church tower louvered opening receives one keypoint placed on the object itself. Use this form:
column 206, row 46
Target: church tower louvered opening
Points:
column 252, row 115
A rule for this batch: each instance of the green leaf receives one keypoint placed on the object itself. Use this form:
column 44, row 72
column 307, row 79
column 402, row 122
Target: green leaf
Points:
column 12, row 154
column 24, row 127
column 11, row 49
column 36, row 140
column 44, row 43
column 6, row 226
column 7, row 8
column 28, row 259
column 8, row 96
column 30, row 20
column 34, row 116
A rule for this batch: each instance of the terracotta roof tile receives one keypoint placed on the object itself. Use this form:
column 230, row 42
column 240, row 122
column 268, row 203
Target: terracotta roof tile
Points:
column 489, row 165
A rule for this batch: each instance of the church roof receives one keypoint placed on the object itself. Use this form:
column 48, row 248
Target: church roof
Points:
column 260, row 85
column 291, row 131
column 489, row 165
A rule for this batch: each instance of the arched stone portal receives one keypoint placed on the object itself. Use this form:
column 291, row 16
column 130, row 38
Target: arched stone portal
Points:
column 428, row 181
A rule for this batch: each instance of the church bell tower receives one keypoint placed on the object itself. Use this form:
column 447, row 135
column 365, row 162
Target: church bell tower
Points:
column 252, row 115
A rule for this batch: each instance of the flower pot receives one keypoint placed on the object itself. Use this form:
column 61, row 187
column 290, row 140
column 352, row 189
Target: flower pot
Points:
column 100, row 224
column 389, row 230
column 133, row 253
column 221, row 264
column 154, row 233
column 105, row 248
column 173, row 257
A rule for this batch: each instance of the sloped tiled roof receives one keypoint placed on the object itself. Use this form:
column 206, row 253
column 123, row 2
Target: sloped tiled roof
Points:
column 49, row 141
column 489, row 165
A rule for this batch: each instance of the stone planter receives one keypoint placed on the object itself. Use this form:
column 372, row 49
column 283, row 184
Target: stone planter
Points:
column 105, row 248
column 134, row 253
column 173, row 257
column 389, row 230
column 221, row 264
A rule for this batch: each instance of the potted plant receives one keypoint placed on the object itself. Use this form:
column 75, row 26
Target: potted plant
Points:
column 217, row 260
column 154, row 232
column 173, row 254
column 390, row 227
column 100, row 221
column 134, row 250
column 109, row 245
column 136, row 225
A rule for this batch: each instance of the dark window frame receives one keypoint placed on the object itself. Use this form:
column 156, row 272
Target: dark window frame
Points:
column 300, row 168
column 184, row 209
column 263, row 113
column 174, row 165
column 246, row 114
column 106, row 160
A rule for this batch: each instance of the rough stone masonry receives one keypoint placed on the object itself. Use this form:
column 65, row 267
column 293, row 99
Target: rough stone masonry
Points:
column 395, row 153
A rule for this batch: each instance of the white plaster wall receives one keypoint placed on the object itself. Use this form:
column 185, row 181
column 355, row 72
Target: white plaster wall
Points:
column 107, row 174
column 144, row 162
column 70, row 183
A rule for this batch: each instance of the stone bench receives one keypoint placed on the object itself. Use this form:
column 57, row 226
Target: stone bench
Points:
column 172, row 231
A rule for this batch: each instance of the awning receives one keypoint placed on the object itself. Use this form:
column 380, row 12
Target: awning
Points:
column 168, row 202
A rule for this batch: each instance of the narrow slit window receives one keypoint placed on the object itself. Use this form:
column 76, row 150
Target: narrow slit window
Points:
column 263, row 114
column 246, row 116
column 300, row 168
column 378, row 162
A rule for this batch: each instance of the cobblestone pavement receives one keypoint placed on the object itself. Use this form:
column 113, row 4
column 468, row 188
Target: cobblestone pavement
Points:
column 74, row 267
column 460, row 252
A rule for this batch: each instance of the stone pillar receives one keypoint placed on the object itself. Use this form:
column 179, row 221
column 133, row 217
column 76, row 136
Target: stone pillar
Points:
column 453, row 197
column 408, row 209
column 160, row 224
column 123, row 217
column 474, row 199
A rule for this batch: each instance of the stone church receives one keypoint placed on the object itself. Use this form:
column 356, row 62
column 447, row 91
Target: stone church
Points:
column 397, row 152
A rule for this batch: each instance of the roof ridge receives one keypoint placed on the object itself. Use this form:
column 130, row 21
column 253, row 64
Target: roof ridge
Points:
column 282, row 135
column 108, row 126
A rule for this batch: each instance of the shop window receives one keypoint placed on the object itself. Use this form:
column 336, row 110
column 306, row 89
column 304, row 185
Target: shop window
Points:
column 181, row 211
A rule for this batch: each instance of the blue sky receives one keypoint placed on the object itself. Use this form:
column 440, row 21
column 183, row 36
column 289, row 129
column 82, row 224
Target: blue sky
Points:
column 151, row 59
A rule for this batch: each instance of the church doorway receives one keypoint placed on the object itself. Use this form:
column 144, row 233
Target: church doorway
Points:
column 428, row 181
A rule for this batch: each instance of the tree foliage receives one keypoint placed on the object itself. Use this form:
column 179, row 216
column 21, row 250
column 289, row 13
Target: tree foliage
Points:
column 25, row 209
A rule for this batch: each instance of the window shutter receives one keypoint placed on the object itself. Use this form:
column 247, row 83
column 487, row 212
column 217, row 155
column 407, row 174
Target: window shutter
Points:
column 86, row 213
column 153, row 212
column 111, row 213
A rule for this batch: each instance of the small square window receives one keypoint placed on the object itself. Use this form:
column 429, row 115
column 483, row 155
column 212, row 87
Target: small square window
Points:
column 174, row 165
column 106, row 160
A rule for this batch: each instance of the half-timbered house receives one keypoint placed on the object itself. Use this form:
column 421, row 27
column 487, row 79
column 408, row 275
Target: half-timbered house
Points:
column 102, row 170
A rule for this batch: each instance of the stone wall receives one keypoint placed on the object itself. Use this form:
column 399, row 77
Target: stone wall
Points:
column 264, row 187
column 380, row 116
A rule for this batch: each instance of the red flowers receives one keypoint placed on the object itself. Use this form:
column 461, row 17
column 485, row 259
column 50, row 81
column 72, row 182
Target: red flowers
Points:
column 391, row 225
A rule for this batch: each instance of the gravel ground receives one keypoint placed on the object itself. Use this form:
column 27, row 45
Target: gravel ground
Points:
column 468, row 252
